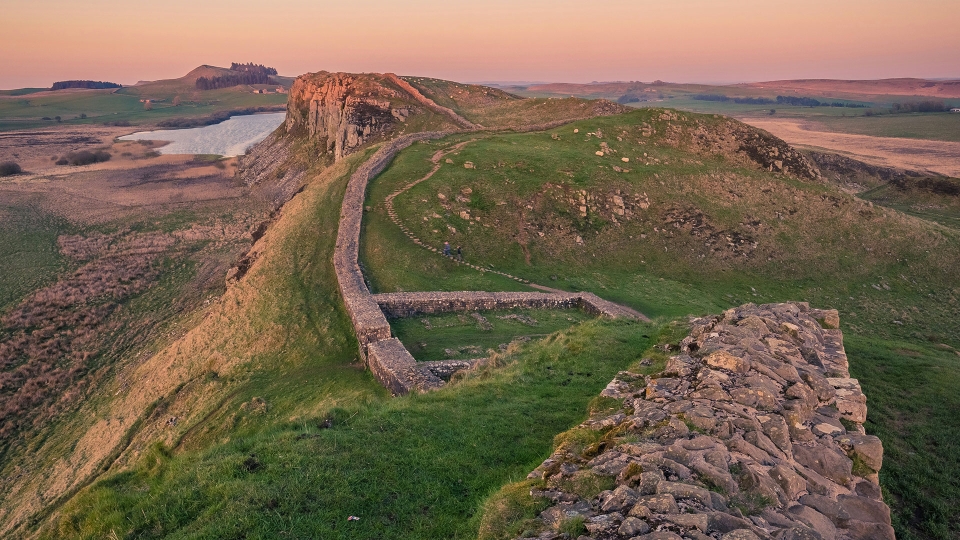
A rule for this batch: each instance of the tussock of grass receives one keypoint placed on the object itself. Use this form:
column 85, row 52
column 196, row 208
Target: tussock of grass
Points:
column 510, row 512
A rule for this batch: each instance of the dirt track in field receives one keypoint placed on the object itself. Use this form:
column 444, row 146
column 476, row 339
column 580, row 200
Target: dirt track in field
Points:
column 918, row 154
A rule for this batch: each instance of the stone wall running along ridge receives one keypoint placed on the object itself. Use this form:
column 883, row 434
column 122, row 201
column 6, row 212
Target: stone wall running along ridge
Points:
column 386, row 357
column 335, row 107
column 368, row 321
column 753, row 431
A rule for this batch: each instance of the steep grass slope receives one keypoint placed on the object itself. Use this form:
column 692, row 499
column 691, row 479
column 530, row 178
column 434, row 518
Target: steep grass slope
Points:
column 260, row 423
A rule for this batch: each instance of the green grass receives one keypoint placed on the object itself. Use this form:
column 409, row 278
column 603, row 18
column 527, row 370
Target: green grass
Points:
column 912, row 399
column 102, row 106
column 29, row 255
column 893, row 278
column 257, row 461
column 471, row 339
column 413, row 467
column 943, row 209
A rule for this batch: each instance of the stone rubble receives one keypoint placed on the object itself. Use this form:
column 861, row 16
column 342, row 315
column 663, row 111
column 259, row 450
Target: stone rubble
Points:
column 752, row 431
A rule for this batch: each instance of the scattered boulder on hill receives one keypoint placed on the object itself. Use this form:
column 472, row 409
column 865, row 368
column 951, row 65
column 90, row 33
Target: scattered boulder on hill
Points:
column 733, row 139
column 844, row 167
column 752, row 431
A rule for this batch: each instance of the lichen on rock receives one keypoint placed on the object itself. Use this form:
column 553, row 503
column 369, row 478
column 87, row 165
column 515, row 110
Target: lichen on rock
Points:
column 754, row 430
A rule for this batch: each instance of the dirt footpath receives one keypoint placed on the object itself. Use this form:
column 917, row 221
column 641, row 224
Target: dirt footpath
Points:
column 919, row 154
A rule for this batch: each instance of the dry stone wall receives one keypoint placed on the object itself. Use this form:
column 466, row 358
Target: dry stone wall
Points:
column 753, row 431
column 386, row 357
column 409, row 304
column 368, row 321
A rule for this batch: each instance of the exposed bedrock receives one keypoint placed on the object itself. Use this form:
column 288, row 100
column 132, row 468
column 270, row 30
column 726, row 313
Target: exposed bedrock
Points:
column 753, row 430
column 343, row 111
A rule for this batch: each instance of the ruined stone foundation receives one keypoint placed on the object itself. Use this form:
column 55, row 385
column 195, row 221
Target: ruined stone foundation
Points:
column 753, row 431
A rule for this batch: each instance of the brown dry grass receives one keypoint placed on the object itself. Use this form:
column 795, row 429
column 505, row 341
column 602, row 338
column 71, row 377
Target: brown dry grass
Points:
column 229, row 332
column 134, row 181
column 52, row 334
column 139, row 224
column 937, row 156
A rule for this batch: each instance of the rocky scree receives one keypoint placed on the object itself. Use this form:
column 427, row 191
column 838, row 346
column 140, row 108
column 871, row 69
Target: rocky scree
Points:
column 752, row 431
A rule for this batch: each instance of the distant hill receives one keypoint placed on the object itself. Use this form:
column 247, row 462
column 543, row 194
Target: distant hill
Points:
column 882, row 90
column 894, row 87
column 188, row 85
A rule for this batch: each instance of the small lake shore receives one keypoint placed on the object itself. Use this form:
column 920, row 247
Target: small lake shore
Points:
column 231, row 137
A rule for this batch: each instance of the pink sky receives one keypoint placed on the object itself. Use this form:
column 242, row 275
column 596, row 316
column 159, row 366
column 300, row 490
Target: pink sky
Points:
column 534, row 40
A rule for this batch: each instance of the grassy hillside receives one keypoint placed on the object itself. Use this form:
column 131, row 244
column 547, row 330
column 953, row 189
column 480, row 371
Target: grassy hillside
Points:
column 256, row 419
column 256, row 452
column 495, row 108
column 702, row 230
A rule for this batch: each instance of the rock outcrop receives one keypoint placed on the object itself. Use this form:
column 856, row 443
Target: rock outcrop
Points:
column 753, row 430
column 344, row 111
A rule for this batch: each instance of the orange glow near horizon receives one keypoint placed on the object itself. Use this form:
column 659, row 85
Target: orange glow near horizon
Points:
column 534, row 40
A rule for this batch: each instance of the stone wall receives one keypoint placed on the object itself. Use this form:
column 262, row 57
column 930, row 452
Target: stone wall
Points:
column 392, row 365
column 386, row 357
column 753, row 430
column 409, row 304
column 368, row 321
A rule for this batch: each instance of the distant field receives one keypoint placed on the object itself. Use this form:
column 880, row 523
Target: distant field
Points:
column 100, row 106
column 730, row 108
column 934, row 126
column 939, row 156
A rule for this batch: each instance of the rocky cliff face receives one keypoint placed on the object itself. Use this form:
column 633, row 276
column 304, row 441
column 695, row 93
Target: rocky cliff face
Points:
column 344, row 111
column 753, row 430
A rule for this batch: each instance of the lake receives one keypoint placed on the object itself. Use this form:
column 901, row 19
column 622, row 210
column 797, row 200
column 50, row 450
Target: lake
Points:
column 231, row 137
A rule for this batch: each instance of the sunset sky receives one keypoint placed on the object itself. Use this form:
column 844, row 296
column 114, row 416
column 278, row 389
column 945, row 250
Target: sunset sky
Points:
column 500, row 40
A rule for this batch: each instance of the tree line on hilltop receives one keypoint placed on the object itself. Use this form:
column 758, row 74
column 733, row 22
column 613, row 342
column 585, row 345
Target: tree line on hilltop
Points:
column 781, row 100
column 248, row 73
column 96, row 85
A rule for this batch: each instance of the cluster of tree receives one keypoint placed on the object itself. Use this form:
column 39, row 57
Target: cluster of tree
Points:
column 10, row 168
column 61, row 85
column 243, row 74
column 629, row 98
column 742, row 100
column 84, row 157
column 810, row 102
column 250, row 67
column 216, row 117
column 920, row 106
